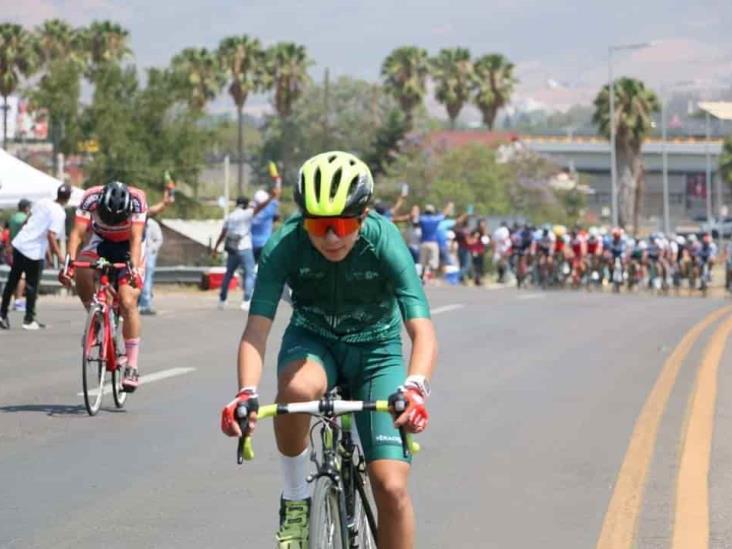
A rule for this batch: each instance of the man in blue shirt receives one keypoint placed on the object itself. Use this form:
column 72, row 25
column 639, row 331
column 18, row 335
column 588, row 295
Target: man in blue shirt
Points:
column 429, row 249
column 263, row 222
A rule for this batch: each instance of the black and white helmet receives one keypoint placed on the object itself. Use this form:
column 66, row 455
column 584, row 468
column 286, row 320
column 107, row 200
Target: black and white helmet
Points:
column 115, row 205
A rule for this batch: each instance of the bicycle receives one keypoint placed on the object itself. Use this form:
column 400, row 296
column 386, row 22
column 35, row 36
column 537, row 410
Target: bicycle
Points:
column 341, row 513
column 102, row 348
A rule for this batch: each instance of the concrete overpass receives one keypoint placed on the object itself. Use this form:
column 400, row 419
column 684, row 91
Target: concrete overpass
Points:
column 590, row 156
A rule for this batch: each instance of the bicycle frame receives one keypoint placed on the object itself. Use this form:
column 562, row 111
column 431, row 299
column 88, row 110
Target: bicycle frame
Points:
column 107, row 298
column 338, row 448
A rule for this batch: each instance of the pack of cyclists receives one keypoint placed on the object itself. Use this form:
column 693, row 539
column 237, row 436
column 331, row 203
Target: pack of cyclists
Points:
column 555, row 256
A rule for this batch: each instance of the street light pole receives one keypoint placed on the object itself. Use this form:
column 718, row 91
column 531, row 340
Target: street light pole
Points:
column 709, row 170
column 664, row 155
column 613, row 160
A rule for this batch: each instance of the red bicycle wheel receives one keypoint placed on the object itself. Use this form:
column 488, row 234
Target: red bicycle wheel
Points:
column 92, row 362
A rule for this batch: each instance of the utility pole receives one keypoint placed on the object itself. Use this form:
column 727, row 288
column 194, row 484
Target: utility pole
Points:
column 326, row 109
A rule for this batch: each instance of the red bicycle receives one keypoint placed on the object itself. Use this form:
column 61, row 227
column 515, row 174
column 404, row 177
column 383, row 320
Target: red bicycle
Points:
column 103, row 348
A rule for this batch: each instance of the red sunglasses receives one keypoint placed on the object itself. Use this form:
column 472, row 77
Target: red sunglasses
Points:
column 341, row 226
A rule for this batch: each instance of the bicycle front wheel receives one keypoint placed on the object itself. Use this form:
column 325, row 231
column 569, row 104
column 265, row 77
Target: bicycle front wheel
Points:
column 92, row 361
column 118, row 392
column 325, row 516
column 365, row 538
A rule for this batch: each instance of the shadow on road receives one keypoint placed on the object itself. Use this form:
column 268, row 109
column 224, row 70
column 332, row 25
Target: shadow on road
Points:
column 49, row 409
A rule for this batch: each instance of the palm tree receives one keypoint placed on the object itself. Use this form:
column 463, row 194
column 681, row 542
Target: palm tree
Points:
column 287, row 66
column 200, row 74
column 242, row 58
column 17, row 59
column 452, row 71
column 405, row 73
column 62, row 57
column 494, row 83
column 634, row 107
column 105, row 42
column 287, row 73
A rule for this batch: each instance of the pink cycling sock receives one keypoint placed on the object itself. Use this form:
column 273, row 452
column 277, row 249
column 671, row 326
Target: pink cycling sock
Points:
column 132, row 348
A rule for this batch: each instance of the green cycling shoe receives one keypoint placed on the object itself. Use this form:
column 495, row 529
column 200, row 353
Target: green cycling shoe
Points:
column 294, row 528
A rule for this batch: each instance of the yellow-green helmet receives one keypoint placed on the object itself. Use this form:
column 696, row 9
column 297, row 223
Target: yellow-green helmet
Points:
column 334, row 183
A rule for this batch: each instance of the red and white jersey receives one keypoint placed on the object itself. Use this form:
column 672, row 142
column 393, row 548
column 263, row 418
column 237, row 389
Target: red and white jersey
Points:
column 87, row 212
column 594, row 246
column 577, row 244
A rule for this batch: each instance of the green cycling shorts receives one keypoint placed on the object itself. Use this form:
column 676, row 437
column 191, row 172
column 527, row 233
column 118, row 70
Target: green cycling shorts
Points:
column 369, row 371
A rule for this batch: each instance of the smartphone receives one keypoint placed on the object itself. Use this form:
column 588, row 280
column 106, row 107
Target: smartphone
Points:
column 405, row 190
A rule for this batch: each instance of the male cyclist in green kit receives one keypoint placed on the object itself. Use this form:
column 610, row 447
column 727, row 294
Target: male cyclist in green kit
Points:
column 353, row 281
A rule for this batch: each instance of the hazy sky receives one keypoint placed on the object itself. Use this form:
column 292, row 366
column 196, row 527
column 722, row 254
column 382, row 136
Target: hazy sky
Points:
column 562, row 41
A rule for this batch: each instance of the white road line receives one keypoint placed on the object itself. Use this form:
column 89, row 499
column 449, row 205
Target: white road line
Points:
column 149, row 378
column 532, row 296
column 446, row 308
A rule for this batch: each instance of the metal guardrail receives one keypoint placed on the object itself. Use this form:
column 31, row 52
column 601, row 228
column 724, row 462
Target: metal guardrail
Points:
column 180, row 274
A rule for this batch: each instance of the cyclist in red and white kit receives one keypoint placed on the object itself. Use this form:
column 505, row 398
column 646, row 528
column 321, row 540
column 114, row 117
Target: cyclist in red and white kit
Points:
column 111, row 222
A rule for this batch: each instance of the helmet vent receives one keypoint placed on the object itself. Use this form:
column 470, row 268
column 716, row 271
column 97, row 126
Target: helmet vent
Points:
column 332, row 157
column 353, row 186
column 337, row 176
column 317, row 182
column 352, row 162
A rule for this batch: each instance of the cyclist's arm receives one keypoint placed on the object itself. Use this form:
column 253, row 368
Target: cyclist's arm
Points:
column 251, row 350
column 136, row 232
column 424, row 346
column 77, row 236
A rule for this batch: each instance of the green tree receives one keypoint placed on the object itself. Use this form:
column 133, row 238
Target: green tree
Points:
column 386, row 143
column 355, row 112
column 105, row 42
column 242, row 58
column 453, row 74
column 287, row 65
column 405, row 73
column 62, row 57
column 17, row 59
column 142, row 132
column 634, row 108
column 199, row 73
column 493, row 85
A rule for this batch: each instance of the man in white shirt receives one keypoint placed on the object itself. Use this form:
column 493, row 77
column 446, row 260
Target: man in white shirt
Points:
column 42, row 229
column 237, row 237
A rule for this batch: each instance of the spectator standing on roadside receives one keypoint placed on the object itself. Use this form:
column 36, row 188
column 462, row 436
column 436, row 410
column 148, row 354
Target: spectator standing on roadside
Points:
column 153, row 242
column 237, row 237
column 42, row 229
column 477, row 243
column 15, row 223
column 263, row 222
column 463, row 252
column 429, row 248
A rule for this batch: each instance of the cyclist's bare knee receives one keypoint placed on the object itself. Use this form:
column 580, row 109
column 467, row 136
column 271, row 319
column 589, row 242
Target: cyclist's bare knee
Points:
column 84, row 283
column 389, row 482
column 128, row 298
column 301, row 381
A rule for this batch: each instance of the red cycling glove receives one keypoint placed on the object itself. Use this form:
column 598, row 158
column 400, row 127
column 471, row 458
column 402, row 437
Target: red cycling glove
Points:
column 247, row 397
column 415, row 410
column 66, row 275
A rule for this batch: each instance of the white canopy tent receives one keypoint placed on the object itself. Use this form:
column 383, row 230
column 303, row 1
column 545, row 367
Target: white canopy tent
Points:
column 20, row 180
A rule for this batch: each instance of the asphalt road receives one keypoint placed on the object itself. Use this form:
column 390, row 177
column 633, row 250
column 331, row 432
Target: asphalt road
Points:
column 559, row 419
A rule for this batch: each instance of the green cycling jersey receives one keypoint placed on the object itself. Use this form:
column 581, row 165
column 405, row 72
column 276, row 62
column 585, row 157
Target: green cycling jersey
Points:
column 362, row 298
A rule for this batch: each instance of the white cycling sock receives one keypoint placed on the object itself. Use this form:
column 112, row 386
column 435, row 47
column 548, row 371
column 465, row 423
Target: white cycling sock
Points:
column 295, row 472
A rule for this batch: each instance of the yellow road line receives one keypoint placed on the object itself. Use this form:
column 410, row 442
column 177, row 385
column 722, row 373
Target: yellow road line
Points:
column 691, row 518
column 619, row 526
